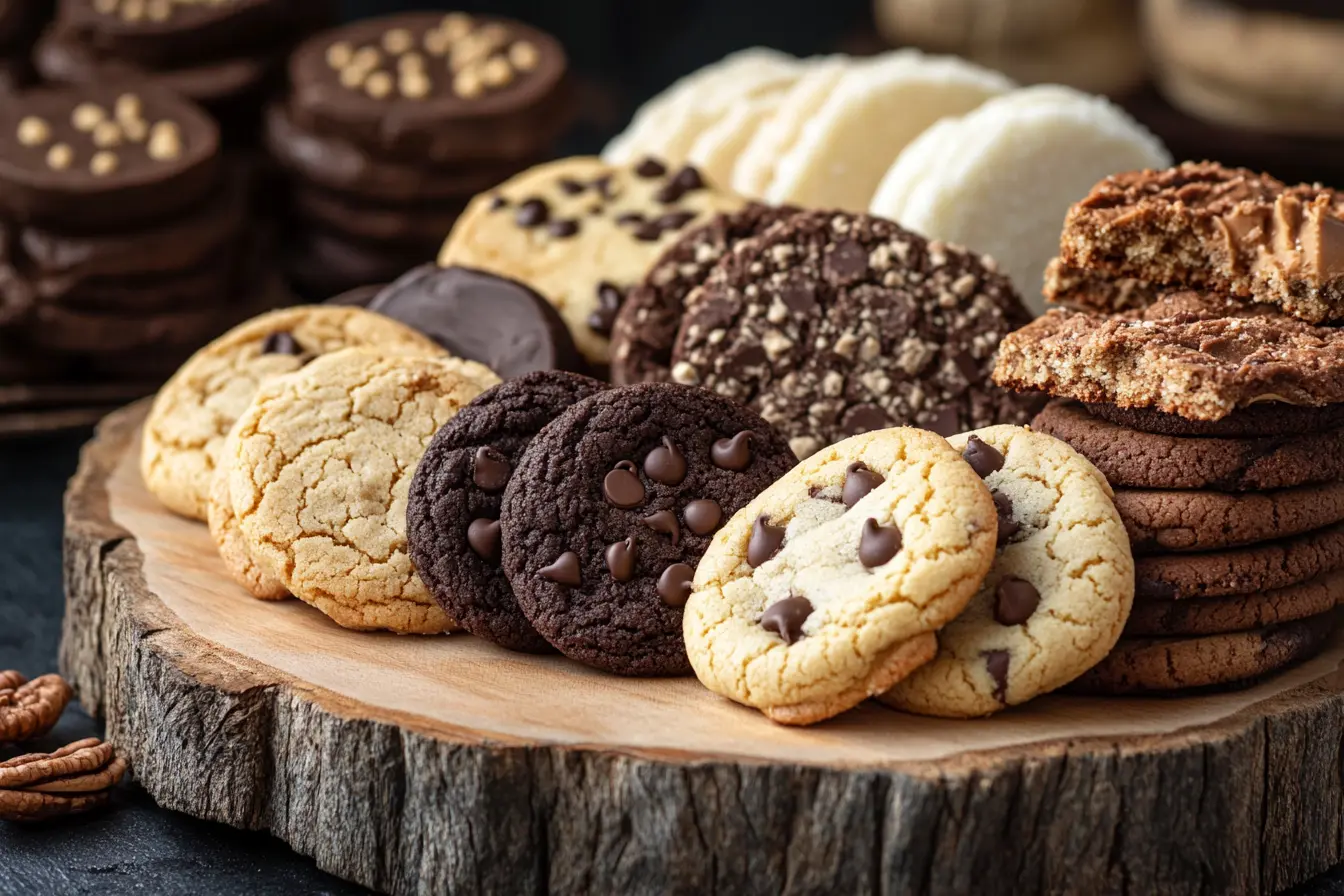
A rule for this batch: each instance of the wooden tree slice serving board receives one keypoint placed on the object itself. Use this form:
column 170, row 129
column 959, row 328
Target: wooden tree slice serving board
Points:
column 435, row 765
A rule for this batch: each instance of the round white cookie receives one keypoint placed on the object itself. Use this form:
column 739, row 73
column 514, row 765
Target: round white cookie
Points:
column 827, row 588
column 582, row 232
column 1058, row 595
column 1001, row 178
column 194, row 411
column 755, row 167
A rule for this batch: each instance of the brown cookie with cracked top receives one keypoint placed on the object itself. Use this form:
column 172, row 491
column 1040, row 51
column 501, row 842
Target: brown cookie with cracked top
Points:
column 1262, row 567
column 1131, row 459
column 611, row 507
column 1183, row 664
column 453, row 512
column 1238, row 612
column 646, row 326
column 832, row 324
column 1267, row 419
column 1160, row 520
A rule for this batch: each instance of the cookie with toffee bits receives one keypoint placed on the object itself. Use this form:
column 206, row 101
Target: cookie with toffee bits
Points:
column 832, row 324
column 828, row 588
column 583, row 233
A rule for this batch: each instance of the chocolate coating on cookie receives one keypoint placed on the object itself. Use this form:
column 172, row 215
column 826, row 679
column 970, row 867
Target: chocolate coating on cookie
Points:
column 646, row 327
column 559, row 502
column 452, row 515
column 831, row 324
column 167, row 33
column 481, row 316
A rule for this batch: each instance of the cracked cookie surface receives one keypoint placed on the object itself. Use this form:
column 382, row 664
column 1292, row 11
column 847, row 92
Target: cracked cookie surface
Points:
column 1058, row 595
column 828, row 587
column 195, row 410
column 321, row 473
column 227, row 535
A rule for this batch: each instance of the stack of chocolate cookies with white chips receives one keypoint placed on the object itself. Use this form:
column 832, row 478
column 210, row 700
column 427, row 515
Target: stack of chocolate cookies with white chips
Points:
column 393, row 124
column 554, row 513
column 123, row 240
column 20, row 22
column 227, row 55
column 1203, row 379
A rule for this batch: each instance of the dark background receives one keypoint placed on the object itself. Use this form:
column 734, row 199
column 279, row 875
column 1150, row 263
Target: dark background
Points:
column 625, row 50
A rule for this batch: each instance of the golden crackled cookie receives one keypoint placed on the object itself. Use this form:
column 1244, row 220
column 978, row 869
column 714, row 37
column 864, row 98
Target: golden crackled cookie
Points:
column 227, row 535
column 1058, row 595
column 320, row 476
column 195, row 410
column 828, row 587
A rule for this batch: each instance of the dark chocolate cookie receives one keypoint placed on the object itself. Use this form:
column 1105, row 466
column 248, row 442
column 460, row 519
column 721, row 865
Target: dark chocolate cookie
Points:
column 1160, row 520
column 832, row 324
column 99, row 156
column 453, row 514
column 386, row 84
column 500, row 322
column 416, row 224
column 1238, row 612
column 646, row 326
column 1184, row 664
column 1257, row 420
column 323, row 264
column 612, row 506
column 1132, row 459
column 1261, row 567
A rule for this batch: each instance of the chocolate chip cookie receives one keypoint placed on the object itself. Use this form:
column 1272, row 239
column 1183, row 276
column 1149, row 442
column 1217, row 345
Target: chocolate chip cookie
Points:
column 832, row 324
column 1058, row 595
column 1262, row 567
column 1131, row 459
column 453, row 513
column 646, row 326
column 827, row 589
column 611, row 507
column 1237, row 612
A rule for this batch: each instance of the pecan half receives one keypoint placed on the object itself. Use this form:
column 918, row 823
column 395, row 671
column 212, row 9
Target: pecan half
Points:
column 73, row 779
column 29, row 709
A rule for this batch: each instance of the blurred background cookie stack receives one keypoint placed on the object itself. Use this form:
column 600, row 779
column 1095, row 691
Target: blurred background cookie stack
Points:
column 1194, row 368
column 228, row 56
column 124, row 242
column 20, row 21
column 393, row 124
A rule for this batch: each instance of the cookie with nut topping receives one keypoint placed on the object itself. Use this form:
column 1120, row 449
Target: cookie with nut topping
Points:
column 1058, row 595
column 583, row 233
column 832, row 324
column 610, row 508
column 828, row 587
column 98, row 157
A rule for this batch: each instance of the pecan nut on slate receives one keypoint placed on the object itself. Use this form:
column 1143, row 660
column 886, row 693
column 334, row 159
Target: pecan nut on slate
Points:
column 73, row 779
column 29, row 709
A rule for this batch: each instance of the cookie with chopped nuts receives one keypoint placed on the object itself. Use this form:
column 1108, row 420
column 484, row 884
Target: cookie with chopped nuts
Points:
column 833, row 324
column 104, row 156
column 433, row 88
column 646, row 326
column 583, row 233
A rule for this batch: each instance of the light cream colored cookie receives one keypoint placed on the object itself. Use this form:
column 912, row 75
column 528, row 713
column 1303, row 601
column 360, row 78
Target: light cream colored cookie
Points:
column 878, row 107
column 717, row 149
column 320, row 476
column 755, row 167
column 827, row 588
column 228, row 537
column 1058, row 596
column 582, row 232
column 1001, row 178
column 195, row 410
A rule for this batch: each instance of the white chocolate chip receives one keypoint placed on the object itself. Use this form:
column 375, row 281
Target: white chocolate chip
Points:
column 159, row 10
column 467, row 84
column 60, row 156
column 379, row 85
column 339, row 54
column 414, row 85
column 133, row 10
column 106, row 133
column 411, row 62
column 165, row 142
column 455, row 26
column 524, row 56
column 366, row 58
column 685, row 373
column 353, row 76
column 33, row 131
column 103, row 163
column 496, row 72
column 127, row 108
column 86, row 116
column 436, row 43
column 135, row 129
column 397, row 40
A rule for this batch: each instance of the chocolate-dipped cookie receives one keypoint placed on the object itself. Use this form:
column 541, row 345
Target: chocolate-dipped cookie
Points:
column 611, row 507
column 168, row 33
column 453, row 513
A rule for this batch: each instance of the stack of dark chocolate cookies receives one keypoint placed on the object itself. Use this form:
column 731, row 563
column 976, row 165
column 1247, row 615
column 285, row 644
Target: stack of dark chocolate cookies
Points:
column 123, row 241
column 1213, row 405
column 393, row 124
column 20, row 21
column 227, row 55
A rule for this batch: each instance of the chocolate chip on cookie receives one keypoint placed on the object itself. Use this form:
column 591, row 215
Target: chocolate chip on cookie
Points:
column 828, row 587
column 831, row 324
column 1037, row 621
column 453, row 513
column 646, row 326
column 609, row 510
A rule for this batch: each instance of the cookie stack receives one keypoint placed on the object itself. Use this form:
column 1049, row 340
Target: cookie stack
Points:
column 228, row 55
column 124, row 245
column 392, row 124
column 1213, row 405
column 20, row 21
